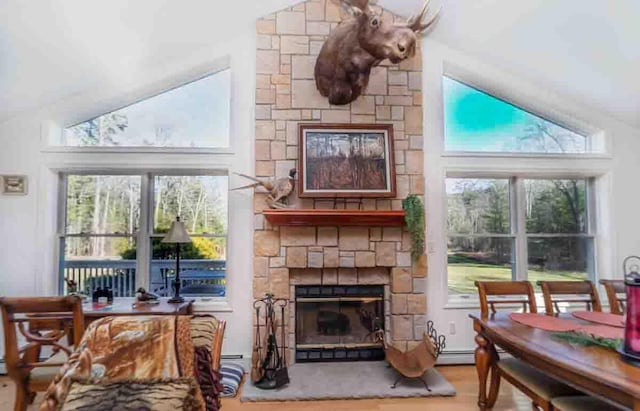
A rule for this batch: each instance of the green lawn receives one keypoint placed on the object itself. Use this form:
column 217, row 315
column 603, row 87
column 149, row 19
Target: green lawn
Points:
column 463, row 275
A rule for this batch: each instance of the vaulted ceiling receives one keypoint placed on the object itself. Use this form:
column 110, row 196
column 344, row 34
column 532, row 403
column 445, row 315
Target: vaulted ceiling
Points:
column 50, row 50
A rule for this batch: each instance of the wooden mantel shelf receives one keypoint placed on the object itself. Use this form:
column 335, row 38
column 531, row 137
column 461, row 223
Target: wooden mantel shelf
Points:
column 315, row 217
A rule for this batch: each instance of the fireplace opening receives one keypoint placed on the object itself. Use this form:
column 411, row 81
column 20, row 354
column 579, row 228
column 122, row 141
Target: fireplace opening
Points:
column 339, row 323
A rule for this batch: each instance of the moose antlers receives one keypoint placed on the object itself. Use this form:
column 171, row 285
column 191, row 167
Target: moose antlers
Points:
column 415, row 22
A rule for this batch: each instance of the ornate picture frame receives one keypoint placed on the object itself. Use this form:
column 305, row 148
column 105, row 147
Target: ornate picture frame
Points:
column 346, row 160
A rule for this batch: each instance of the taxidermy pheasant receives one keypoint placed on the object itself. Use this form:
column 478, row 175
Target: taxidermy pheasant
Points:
column 279, row 189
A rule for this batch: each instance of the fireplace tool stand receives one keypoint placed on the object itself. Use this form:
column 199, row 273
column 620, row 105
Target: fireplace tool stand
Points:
column 269, row 368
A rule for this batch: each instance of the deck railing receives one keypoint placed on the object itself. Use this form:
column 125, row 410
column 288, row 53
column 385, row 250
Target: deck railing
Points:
column 198, row 277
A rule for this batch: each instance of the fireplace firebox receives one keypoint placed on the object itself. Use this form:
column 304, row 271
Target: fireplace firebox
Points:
column 339, row 323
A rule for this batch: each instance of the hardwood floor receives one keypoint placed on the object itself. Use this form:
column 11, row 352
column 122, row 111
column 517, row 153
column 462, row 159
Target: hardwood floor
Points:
column 462, row 377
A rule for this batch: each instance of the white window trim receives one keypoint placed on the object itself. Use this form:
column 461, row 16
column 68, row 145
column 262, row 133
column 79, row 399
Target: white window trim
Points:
column 145, row 231
column 440, row 163
column 518, row 232
column 234, row 159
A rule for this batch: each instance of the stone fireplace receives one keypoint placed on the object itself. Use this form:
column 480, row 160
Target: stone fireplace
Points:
column 327, row 255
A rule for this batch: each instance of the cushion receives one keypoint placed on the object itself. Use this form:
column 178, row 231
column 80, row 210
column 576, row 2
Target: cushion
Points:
column 156, row 395
column 542, row 385
column 581, row 403
column 232, row 374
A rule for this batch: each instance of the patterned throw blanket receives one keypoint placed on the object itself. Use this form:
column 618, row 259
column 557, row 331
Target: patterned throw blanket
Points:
column 146, row 362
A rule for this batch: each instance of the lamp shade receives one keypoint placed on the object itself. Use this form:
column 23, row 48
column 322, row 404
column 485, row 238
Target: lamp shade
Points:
column 177, row 233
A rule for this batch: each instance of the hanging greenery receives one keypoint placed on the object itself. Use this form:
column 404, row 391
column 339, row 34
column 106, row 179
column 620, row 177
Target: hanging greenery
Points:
column 414, row 219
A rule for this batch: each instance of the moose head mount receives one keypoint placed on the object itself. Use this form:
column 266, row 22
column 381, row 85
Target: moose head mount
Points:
column 363, row 41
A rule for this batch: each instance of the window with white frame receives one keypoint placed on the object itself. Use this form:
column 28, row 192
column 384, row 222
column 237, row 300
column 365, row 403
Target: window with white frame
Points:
column 515, row 225
column 111, row 223
column 193, row 115
column 112, row 232
column 517, row 228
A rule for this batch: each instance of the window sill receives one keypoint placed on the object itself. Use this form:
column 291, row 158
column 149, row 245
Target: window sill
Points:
column 468, row 301
column 137, row 150
column 459, row 302
column 492, row 154
column 212, row 305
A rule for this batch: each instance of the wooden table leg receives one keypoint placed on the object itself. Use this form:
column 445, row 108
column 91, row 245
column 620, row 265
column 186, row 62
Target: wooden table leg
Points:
column 486, row 358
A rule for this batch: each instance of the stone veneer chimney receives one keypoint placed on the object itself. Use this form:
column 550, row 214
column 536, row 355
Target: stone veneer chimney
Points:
column 287, row 45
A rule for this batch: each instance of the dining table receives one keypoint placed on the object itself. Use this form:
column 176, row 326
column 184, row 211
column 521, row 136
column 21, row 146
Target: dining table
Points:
column 595, row 370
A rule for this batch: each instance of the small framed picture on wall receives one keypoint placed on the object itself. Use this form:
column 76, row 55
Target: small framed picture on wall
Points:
column 14, row 185
column 346, row 160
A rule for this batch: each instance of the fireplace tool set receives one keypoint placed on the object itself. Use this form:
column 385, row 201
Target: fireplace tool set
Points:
column 269, row 367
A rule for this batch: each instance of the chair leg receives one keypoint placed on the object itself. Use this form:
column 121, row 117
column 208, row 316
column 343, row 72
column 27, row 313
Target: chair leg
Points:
column 22, row 397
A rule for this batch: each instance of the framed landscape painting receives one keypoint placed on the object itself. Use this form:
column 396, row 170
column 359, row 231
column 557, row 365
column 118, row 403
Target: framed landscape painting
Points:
column 346, row 160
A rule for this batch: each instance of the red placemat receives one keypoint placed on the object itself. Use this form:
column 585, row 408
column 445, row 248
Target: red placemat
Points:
column 602, row 331
column 612, row 320
column 544, row 322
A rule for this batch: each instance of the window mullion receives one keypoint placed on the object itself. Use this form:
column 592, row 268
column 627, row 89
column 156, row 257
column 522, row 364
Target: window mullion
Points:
column 62, row 228
column 143, row 239
column 518, row 207
column 592, row 228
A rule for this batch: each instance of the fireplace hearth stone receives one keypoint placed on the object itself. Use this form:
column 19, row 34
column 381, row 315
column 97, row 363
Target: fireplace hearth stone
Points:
column 336, row 380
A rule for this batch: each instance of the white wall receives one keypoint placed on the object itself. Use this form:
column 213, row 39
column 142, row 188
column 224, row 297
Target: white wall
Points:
column 617, row 197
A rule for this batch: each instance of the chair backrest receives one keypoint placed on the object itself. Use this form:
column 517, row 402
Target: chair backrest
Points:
column 555, row 292
column 520, row 291
column 616, row 294
column 41, row 322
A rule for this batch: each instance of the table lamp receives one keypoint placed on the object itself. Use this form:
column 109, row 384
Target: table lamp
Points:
column 177, row 235
column 631, row 350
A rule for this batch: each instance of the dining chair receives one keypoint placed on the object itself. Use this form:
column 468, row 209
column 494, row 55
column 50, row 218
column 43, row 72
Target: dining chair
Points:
column 31, row 324
column 494, row 293
column 616, row 294
column 556, row 292
column 540, row 388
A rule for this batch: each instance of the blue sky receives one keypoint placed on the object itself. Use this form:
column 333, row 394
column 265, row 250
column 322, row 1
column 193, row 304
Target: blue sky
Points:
column 476, row 121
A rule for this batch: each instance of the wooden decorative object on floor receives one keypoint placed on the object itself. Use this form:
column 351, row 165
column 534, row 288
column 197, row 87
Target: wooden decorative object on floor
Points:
column 23, row 363
column 413, row 364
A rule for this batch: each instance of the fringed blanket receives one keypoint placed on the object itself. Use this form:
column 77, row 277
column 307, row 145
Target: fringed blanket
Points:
column 150, row 351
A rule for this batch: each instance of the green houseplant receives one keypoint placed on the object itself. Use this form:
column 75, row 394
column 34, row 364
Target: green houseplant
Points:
column 414, row 219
